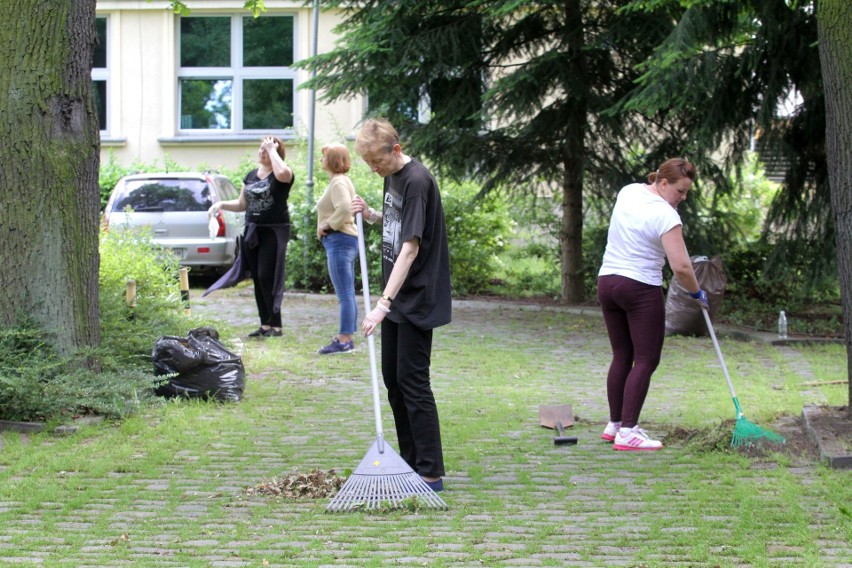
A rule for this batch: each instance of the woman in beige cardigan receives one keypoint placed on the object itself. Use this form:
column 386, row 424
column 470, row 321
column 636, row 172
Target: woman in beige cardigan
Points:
column 339, row 236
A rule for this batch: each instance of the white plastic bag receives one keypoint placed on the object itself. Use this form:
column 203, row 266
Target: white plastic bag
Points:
column 213, row 227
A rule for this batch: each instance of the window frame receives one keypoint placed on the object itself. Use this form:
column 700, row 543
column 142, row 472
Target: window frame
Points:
column 237, row 74
column 103, row 74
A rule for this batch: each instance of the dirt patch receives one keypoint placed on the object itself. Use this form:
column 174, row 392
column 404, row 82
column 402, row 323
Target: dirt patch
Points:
column 833, row 423
column 798, row 446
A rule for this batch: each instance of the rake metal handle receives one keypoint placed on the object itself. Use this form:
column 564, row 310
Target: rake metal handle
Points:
column 371, row 340
column 710, row 329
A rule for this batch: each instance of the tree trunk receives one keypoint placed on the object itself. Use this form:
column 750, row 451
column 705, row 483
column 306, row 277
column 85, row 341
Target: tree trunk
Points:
column 834, row 22
column 573, row 162
column 571, row 231
column 49, row 197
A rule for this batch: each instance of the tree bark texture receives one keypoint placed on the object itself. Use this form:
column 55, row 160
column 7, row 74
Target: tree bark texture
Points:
column 834, row 22
column 49, row 197
column 573, row 161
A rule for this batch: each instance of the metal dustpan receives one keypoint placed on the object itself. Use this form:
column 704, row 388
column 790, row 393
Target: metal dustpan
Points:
column 549, row 416
column 383, row 479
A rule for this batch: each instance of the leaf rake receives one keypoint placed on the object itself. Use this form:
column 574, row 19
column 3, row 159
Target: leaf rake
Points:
column 746, row 433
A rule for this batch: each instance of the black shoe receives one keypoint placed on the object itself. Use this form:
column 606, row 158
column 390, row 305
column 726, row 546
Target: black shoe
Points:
column 258, row 332
column 272, row 332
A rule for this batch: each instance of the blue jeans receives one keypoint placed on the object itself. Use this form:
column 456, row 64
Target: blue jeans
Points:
column 342, row 251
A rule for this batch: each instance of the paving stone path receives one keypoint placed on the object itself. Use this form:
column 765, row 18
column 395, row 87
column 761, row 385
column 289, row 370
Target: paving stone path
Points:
column 573, row 503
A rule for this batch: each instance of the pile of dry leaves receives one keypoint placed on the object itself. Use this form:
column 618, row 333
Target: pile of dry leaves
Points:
column 316, row 484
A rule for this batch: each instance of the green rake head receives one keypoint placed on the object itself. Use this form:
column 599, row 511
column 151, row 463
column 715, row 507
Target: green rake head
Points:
column 748, row 434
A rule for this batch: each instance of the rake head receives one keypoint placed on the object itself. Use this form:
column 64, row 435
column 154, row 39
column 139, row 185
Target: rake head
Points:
column 747, row 433
column 384, row 481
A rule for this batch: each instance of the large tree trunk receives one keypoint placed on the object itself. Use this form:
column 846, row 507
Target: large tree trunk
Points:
column 834, row 21
column 49, row 145
column 573, row 162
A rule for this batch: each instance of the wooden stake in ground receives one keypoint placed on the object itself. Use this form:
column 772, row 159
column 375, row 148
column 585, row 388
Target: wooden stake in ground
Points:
column 130, row 298
column 184, row 289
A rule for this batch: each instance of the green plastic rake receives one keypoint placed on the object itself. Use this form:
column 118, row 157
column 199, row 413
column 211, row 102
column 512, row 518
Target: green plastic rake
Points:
column 746, row 432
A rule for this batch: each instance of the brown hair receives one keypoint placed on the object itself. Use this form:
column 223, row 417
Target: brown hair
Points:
column 280, row 150
column 376, row 134
column 673, row 170
column 336, row 158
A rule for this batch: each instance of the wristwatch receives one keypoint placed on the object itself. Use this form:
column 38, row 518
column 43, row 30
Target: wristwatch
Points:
column 388, row 298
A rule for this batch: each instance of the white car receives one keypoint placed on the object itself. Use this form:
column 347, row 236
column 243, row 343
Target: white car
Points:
column 175, row 206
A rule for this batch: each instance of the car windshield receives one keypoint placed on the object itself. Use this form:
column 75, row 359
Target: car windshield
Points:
column 164, row 195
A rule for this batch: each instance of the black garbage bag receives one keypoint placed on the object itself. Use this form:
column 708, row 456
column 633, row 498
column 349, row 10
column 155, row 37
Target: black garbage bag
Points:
column 199, row 366
column 683, row 314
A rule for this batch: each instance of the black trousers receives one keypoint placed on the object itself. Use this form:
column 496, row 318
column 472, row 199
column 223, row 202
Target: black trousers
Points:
column 261, row 262
column 406, row 356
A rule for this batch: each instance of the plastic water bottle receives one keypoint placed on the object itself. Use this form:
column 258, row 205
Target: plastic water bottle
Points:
column 782, row 325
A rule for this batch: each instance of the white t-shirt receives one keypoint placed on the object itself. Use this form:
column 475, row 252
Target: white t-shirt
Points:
column 634, row 247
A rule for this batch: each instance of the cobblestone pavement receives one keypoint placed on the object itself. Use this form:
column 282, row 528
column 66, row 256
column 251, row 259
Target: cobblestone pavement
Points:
column 578, row 491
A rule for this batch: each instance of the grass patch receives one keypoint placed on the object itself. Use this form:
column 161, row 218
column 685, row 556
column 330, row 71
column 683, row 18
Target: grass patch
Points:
column 171, row 485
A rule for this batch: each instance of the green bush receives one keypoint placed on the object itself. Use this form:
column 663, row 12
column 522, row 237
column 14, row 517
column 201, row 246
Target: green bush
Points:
column 127, row 336
column 478, row 230
column 36, row 384
column 529, row 266
column 116, row 378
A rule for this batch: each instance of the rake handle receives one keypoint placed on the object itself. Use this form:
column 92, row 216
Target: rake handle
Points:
column 371, row 340
column 721, row 359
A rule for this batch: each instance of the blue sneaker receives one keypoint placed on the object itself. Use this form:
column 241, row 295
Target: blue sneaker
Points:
column 337, row 347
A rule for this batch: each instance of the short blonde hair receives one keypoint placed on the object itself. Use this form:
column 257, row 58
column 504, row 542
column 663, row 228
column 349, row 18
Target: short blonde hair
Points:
column 336, row 158
column 376, row 134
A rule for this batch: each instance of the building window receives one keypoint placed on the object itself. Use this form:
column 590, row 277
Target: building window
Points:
column 235, row 73
column 100, row 74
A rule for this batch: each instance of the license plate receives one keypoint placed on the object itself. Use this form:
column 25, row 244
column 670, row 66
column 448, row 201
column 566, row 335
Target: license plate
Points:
column 180, row 253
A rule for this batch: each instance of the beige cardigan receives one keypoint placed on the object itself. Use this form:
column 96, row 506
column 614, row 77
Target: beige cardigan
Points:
column 334, row 206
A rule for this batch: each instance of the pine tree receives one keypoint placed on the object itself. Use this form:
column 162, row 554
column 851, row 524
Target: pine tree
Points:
column 517, row 91
column 733, row 70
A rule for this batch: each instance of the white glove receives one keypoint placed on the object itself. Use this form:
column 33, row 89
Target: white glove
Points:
column 214, row 209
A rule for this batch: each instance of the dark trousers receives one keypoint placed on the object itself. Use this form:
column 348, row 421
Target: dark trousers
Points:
column 406, row 356
column 261, row 262
column 635, row 317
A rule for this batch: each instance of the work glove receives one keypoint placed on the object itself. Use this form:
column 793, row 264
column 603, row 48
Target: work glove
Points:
column 701, row 298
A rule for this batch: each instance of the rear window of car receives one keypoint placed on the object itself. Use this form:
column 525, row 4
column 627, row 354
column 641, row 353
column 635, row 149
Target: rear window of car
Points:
column 226, row 188
column 163, row 195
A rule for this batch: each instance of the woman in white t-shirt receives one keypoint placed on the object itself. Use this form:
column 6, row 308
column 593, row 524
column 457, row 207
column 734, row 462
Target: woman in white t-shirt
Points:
column 645, row 230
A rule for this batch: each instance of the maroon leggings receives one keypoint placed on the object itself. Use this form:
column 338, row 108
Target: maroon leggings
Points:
column 635, row 316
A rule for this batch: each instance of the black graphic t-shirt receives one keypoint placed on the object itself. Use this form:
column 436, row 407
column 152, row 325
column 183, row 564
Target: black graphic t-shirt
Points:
column 266, row 199
column 412, row 209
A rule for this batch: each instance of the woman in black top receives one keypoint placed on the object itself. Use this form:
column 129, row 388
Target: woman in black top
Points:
column 267, row 232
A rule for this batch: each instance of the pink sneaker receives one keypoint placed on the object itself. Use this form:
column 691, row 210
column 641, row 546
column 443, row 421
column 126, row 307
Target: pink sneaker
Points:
column 635, row 440
column 610, row 431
